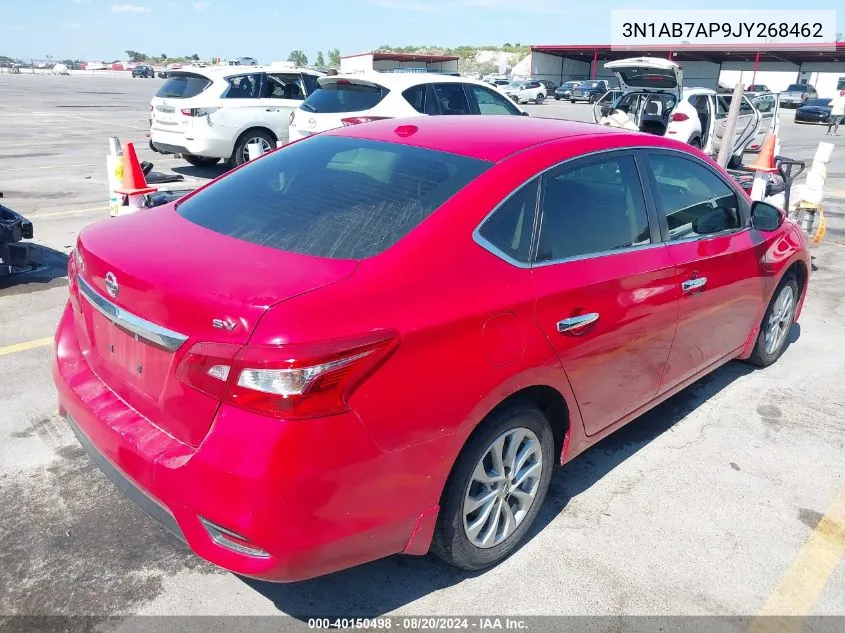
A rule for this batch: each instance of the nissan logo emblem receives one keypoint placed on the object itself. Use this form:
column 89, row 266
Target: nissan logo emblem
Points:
column 111, row 284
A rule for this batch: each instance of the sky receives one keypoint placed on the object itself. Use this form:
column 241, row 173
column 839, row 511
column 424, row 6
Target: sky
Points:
column 268, row 30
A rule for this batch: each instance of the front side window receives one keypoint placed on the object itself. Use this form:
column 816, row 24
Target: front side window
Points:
column 284, row 86
column 332, row 197
column 243, row 87
column 594, row 207
column 693, row 199
column 490, row 102
column 510, row 227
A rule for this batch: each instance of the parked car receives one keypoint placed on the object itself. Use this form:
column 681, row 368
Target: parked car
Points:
column 814, row 111
column 549, row 85
column 499, row 82
column 525, row 91
column 797, row 95
column 344, row 100
column 655, row 98
column 564, row 90
column 143, row 71
column 757, row 88
column 208, row 114
column 223, row 392
column 763, row 101
column 589, row 91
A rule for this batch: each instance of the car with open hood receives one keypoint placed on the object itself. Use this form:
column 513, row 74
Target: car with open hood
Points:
column 655, row 98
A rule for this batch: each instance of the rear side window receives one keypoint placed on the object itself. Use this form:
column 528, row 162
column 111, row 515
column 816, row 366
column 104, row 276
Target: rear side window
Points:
column 511, row 226
column 648, row 78
column 183, row 86
column 422, row 99
column 345, row 97
column 595, row 207
column 333, row 197
column 452, row 98
column 244, row 87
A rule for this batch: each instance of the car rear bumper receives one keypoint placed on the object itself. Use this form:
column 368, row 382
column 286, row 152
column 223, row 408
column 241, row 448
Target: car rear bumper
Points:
column 186, row 143
column 823, row 120
column 296, row 506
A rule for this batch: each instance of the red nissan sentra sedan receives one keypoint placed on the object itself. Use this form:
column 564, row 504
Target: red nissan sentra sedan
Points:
column 381, row 339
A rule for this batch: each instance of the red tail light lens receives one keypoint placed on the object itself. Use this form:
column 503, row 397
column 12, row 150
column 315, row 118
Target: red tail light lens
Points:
column 679, row 116
column 290, row 381
column 355, row 120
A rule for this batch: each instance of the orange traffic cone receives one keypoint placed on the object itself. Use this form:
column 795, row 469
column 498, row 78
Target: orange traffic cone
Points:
column 766, row 158
column 134, row 183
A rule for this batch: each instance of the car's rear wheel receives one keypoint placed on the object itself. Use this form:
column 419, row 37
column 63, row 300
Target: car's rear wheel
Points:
column 777, row 322
column 539, row 98
column 695, row 142
column 572, row 101
column 201, row 161
column 241, row 153
column 495, row 489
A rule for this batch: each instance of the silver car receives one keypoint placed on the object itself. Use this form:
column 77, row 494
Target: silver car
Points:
column 797, row 95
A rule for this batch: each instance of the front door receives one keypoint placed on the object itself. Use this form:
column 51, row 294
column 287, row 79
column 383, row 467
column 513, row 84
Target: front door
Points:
column 606, row 292
column 705, row 223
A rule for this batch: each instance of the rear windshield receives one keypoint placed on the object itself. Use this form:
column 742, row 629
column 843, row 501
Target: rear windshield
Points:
column 344, row 97
column 648, row 78
column 818, row 102
column 333, row 197
column 183, row 86
column 797, row 88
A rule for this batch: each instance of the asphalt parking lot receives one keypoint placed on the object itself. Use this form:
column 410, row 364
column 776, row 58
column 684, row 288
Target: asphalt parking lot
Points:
column 712, row 504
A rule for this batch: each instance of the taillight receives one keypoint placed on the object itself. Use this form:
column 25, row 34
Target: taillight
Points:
column 294, row 381
column 355, row 120
column 197, row 111
column 679, row 116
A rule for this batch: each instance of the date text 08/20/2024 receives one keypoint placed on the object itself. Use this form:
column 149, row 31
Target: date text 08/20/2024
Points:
column 481, row 623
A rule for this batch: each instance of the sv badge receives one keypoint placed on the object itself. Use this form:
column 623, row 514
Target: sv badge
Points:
column 224, row 324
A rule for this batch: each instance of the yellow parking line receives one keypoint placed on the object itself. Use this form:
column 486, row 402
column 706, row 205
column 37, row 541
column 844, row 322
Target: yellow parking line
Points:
column 803, row 583
column 35, row 216
column 22, row 347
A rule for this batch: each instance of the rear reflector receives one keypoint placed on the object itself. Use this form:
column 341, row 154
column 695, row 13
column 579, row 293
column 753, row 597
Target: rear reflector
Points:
column 232, row 540
column 679, row 116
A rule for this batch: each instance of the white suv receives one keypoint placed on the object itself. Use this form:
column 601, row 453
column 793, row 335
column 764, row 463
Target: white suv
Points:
column 525, row 91
column 352, row 99
column 208, row 114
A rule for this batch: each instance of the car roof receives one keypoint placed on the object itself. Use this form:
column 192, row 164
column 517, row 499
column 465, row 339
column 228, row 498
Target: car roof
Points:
column 488, row 137
column 218, row 72
column 406, row 80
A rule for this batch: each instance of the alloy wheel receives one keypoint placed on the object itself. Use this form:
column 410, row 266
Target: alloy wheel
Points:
column 780, row 319
column 265, row 147
column 503, row 487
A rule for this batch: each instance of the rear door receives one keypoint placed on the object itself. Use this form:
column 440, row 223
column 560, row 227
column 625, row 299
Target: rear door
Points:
column 281, row 94
column 240, row 105
column 705, row 223
column 605, row 284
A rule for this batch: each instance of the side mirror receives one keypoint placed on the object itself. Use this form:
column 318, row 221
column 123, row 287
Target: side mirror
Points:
column 714, row 222
column 765, row 216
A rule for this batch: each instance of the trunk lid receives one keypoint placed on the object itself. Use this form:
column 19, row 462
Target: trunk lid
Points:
column 145, row 302
column 182, row 90
column 651, row 74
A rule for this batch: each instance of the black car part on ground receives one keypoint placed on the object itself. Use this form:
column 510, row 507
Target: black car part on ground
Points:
column 159, row 198
column 16, row 257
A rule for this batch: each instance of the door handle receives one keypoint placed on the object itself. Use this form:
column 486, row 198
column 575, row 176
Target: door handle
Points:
column 271, row 109
column 693, row 284
column 577, row 322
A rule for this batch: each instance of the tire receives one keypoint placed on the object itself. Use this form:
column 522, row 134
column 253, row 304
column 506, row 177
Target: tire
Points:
column 592, row 99
column 240, row 154
column 734, row 162
column 572, row 101
column 201, row 161
column 695, row 142
column 451, row 542
column 557, row 98
column 767, row 351
column 539, row 99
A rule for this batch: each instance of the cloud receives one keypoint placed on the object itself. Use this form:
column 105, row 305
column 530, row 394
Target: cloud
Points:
column 129, row 8
column 70, row 25
column 201, row 6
